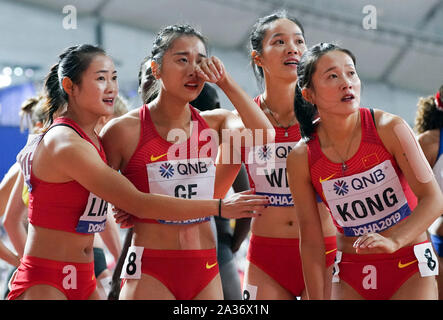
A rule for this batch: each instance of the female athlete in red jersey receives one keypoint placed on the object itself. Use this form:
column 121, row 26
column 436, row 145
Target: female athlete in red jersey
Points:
column 374, row 178
column 67, row 175
column 172, row 259
column 274, row 270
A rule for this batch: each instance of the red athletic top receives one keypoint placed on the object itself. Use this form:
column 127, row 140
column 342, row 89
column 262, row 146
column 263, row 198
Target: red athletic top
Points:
column 372, row 194
column 64, row 206
column 185, row 170
column 266, row 165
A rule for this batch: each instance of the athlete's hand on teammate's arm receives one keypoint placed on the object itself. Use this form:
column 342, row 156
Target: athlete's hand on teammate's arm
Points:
column 211, row 69
column 124, row 219
column 244, row 204
column 374, row 243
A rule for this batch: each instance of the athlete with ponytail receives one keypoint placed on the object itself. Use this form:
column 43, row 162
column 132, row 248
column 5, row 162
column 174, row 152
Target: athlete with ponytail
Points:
column 70, row 183
column 371, row 173
column 274, row 269
column 168, row 147
column 12, row 194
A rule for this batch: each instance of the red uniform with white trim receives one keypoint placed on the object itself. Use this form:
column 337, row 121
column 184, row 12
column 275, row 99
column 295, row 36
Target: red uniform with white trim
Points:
column 266, row 167
column 67, row 207
column 370, row 195
column 184, row 170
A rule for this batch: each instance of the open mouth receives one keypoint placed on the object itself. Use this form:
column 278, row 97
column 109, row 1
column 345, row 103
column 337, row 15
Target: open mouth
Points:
column 109, row 101
column 191, row 85
column 347, row 98
column 291, row 62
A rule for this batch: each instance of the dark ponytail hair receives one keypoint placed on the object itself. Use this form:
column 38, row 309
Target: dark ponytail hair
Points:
column 258, row 33
column 72, row 63
column 163, row 42
column 306, row 112
column 146, row 89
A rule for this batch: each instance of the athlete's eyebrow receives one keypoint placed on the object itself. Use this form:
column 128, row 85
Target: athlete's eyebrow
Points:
column 278, row 34
column 186, row 53
column 334, row 67
column 105, row 71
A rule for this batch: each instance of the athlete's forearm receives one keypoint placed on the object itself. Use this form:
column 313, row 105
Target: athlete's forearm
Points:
column 14, row 215
column 250, row 113
column 168, row 208
column 313, row 263
column 8, row 256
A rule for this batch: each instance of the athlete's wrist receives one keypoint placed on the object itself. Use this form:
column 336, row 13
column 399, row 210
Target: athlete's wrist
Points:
column 226, row 83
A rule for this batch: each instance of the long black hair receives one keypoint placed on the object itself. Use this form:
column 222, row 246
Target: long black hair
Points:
column 306, row 112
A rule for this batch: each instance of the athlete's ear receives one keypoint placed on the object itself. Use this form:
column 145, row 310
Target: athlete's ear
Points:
column 67, row 85
column 256, row 58
column 155, row 69
column 307, row 95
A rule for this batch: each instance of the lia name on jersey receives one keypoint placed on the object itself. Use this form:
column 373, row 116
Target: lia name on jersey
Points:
column 93, row 218
column 370, row 201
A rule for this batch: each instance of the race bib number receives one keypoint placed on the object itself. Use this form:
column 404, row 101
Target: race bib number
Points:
column 370, row 201
column 188, row 179
column 267, row 168
column 336, row 267
column 250, row 292
column 132, row 268
column 93, row 218
column 26, row 155
column 427, row 260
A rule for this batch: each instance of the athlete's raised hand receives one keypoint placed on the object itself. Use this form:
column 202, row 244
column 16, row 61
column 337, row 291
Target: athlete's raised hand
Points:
column 244, row 204
column 211, row 69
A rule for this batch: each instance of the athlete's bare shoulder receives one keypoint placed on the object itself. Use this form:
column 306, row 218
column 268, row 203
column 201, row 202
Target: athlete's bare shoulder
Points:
column 387, row 124
column 216, row 118
column 127, row 124
column 385, row 120
column 298, row 154
column 429, row 137
column 430, row 143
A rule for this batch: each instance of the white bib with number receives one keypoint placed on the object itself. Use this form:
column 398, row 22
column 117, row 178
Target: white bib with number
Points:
column 267, row 168
column 132, row 268
column 370, row 201
column 427, row 260
column 26, row 155
column 93, row 218
column 188, row 179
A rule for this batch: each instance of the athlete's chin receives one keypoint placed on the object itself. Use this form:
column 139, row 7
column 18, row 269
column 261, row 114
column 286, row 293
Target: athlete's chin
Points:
column 348, row 108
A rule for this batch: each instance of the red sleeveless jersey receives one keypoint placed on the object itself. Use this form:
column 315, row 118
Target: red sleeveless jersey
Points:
column 372, row 194
column 185, row 170
column 266, row 165
column 64, row 206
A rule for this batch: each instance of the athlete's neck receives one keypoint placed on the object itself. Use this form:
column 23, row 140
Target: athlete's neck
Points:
column 337, row 129
column 85, row 120
column 170, row 112
column 279, row 97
